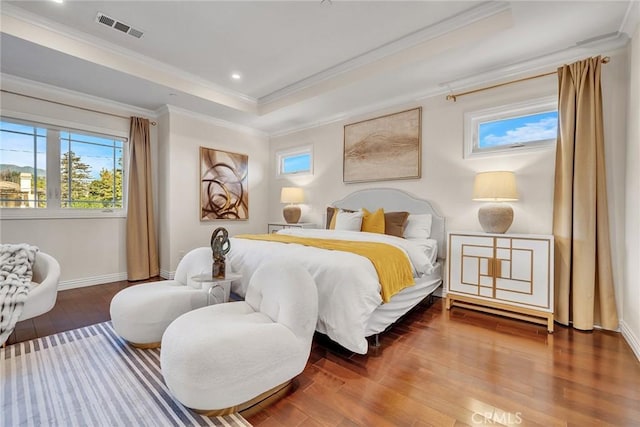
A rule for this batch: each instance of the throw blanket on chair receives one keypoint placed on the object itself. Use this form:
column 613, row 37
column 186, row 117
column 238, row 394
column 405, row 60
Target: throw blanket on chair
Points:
column 16, row 270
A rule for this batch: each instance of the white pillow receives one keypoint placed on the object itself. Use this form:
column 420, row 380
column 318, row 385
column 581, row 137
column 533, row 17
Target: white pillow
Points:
column 428, row 246
column 418, row 226
column 351, row 221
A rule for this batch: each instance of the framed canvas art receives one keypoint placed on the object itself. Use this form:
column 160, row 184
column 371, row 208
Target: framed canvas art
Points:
column 224, row 191
column 383, row 148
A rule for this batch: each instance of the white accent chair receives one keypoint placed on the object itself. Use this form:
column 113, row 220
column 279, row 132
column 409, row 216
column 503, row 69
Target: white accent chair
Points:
column 42, row 297
column 230, row 357
column 141, row 313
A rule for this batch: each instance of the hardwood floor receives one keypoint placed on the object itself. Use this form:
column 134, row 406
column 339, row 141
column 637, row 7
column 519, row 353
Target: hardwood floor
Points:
column 434, row 368
column 74, row 308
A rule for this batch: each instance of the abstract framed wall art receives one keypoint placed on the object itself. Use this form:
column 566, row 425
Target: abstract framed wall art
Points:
column 383, row 148
column 224, row 190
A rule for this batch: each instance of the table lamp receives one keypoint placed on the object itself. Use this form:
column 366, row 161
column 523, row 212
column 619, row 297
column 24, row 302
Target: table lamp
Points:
column 291, row 195
column 497, row 187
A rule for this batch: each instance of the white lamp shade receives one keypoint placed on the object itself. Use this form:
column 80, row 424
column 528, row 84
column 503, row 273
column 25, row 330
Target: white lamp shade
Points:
column 291, row 195
column 497, row 186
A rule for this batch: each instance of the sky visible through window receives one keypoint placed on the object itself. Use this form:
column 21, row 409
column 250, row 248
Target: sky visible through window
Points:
column 16, row 148
column 16, row 145
column 97, row 152
column 296, row 163
column 518, row 130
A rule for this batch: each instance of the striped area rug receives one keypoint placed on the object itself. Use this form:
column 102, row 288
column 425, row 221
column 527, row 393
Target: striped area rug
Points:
column 90, row 377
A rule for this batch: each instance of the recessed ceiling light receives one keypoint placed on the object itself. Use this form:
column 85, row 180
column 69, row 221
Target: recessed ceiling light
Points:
column 57, row 1
column 236, row 76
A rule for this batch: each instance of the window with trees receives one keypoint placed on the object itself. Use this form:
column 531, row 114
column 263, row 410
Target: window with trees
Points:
column 45, row 167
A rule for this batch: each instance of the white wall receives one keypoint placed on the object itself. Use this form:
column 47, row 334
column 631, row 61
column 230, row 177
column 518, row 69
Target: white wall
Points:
column 91, row 250
column 615, row 89
column 630, row 323
column 447, row 178
column 181, row 228
column 162, row 217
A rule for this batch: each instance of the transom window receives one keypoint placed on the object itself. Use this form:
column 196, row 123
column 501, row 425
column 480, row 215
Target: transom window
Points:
column 511, row 128
column 295, row 161
column 46, row 167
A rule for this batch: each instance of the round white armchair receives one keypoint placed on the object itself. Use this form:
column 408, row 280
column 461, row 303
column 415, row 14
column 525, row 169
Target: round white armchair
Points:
column 231, row 357
column 42, row 297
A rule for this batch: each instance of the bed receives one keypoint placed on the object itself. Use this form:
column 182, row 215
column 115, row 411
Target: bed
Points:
column 351, row 307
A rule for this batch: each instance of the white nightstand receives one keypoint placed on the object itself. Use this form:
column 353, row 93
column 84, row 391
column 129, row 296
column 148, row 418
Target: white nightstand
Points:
column 507, row 274
column 275, row 226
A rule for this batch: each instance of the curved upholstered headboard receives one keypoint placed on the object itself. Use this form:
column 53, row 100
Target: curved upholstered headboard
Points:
column 393, row 200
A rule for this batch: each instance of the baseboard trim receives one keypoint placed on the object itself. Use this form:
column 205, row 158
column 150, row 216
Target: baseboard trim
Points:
column 91, row 281
column 105, row 278
column 631, row 338
column 167, row 275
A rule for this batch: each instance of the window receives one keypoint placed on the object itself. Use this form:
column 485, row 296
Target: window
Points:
column 295, row 161
column 43, row 167
column 23, row 166
column 511, row 128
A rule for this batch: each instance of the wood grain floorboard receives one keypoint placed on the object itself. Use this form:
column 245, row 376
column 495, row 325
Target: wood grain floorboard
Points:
column 433, row 368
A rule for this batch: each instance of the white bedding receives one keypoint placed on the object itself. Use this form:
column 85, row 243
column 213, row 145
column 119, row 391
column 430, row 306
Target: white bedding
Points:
column 348, row 286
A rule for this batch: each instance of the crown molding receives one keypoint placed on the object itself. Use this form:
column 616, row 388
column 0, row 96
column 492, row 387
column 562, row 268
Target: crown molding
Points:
column 82, row 100
column 400, row 102
column 631, row 18
column 163, row 109
column 172, row 109
column 606, row 45
column 455, row 39
column 13, row 16
column 448, row 25
column 295, row 129
column 600, row 46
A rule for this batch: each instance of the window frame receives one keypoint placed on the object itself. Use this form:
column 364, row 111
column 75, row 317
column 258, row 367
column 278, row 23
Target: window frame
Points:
column 56, row 211
column 281, row 155
column 473, row 120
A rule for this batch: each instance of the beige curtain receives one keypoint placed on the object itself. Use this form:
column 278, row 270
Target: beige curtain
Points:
column 584, row 291
column 142, row 253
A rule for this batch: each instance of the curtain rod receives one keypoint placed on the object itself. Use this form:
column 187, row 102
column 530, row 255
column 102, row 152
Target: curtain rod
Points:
column 70, row 105
column 454, row 96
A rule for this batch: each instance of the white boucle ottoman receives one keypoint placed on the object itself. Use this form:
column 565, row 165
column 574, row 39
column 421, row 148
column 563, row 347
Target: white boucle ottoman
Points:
column 229, row 357
column 141, row 313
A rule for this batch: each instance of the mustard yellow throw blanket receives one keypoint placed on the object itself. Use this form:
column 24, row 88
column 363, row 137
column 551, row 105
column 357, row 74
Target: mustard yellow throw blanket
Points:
column 392, row 265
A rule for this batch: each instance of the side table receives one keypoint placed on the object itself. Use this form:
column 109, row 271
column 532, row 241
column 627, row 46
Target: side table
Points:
column 272, row 227
column 218, row 289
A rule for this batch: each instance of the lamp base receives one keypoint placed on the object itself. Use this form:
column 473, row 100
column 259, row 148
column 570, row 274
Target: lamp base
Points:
column 495, row 217
column 291, row 214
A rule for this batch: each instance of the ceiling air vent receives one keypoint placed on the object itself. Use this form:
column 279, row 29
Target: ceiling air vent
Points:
column 135, row 33
column 101, row 18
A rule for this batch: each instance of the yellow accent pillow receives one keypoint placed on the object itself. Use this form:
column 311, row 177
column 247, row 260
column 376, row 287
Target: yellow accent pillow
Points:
column 373, row 222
